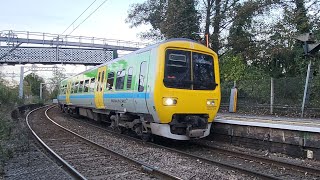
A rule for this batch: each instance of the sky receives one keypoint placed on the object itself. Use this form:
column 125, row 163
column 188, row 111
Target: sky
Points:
column 54, row 16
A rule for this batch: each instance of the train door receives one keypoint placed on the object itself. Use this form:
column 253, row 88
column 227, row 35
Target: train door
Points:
column 141, row 95
column 68, row 90
column 98, row 93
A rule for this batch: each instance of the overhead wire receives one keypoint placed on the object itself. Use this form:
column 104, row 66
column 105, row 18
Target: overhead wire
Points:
column 78, row 17
column 88, row 16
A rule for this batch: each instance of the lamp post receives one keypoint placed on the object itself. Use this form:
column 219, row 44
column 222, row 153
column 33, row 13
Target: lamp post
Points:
column 41, row 90
column 310, row 47
column 206, row 37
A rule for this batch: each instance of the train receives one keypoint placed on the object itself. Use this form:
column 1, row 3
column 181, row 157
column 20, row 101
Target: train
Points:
column 170, row 89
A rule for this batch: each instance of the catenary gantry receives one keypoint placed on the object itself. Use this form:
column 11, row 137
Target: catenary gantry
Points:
column 45, row 48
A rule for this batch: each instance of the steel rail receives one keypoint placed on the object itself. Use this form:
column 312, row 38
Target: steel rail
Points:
column 261, row 158
column 209, row 161
column 73, row 172
column 144, row 166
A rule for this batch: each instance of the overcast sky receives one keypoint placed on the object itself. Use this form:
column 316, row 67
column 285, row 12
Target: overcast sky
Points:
column 54, row 16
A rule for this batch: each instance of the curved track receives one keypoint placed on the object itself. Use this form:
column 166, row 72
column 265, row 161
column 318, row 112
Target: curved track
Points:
column 83, row 158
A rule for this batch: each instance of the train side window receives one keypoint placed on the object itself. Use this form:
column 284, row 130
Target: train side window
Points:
column 98, row 81
column 120, row 79
column 76, row 86
column 129, row 78
column 102, row 81
column 92, row 84
column 62, row 90
column 110, row 80
column 86, row 86
column 81, row 87
column 72, row 88
column 142, row 75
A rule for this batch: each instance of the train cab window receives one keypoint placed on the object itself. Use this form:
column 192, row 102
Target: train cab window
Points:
column 129, row 78
column 86, row 86
column 120, row 79
column 92, row 84
column 110, row 80
column 80, row 87
column 177, row 73
column 142, row 76
column 203, row 72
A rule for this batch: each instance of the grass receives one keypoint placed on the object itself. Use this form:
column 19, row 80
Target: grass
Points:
column 13, row 136
column 5, row 134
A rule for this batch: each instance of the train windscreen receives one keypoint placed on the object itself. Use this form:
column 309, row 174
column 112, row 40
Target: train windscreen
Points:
column 178, row 72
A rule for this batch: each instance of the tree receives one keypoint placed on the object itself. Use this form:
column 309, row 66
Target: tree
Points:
column 34, row 81
column 169, row 19
column 55, row 84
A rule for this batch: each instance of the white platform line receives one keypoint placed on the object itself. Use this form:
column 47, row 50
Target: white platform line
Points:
column 269, row 125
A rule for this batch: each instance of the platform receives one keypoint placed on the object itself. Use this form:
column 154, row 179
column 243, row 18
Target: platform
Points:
column 298, row 124
column 298, row 137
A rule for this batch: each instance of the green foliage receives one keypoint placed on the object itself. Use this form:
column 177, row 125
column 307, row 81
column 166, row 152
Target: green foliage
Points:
column 5, row 134
column 232, row 68
column 55, row 83
column 8, row 95
column 169, row 19
column 33, row 81
column 5, row 127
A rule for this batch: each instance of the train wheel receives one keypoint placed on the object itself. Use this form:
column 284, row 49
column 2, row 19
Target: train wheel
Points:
column 138, row 129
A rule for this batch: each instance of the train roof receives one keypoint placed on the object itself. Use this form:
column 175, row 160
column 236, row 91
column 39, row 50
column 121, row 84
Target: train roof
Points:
column 137, row 52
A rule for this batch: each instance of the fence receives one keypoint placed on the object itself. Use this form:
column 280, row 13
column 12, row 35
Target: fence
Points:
column 254, row 96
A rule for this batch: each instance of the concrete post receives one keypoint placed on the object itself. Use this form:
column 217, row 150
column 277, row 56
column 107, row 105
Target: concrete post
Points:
column 233, row 98
column 40, row 91
column 21, row 82
column 271, row 95
column 305, row 89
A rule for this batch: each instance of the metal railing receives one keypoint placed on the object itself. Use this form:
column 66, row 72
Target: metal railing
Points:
column 11, row 36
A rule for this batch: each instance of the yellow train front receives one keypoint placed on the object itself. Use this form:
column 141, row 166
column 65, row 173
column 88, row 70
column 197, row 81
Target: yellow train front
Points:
column 170, row 89
column 187, row 90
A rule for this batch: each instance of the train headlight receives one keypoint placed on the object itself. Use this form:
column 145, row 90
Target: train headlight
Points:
column 210, row 102
column 169, row 101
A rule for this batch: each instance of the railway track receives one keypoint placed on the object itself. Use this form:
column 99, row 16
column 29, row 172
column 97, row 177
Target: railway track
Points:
column 186, row 167
column 84, row 158
column 253, row 165
column 248, row 163
column 258, row 158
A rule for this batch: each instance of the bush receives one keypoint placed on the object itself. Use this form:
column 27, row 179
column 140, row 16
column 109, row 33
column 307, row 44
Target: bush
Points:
column 8, row 95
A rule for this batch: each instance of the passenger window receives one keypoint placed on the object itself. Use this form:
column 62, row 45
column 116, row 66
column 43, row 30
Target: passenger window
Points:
column 80, row 87
column 102, row 78
column 92, row 84
column 76, row 86
column 72, row 88
column 98, row 81
column 142, row 75
column 110, row 80
column 129, row 78
column 86, row 85
column 120, row 79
